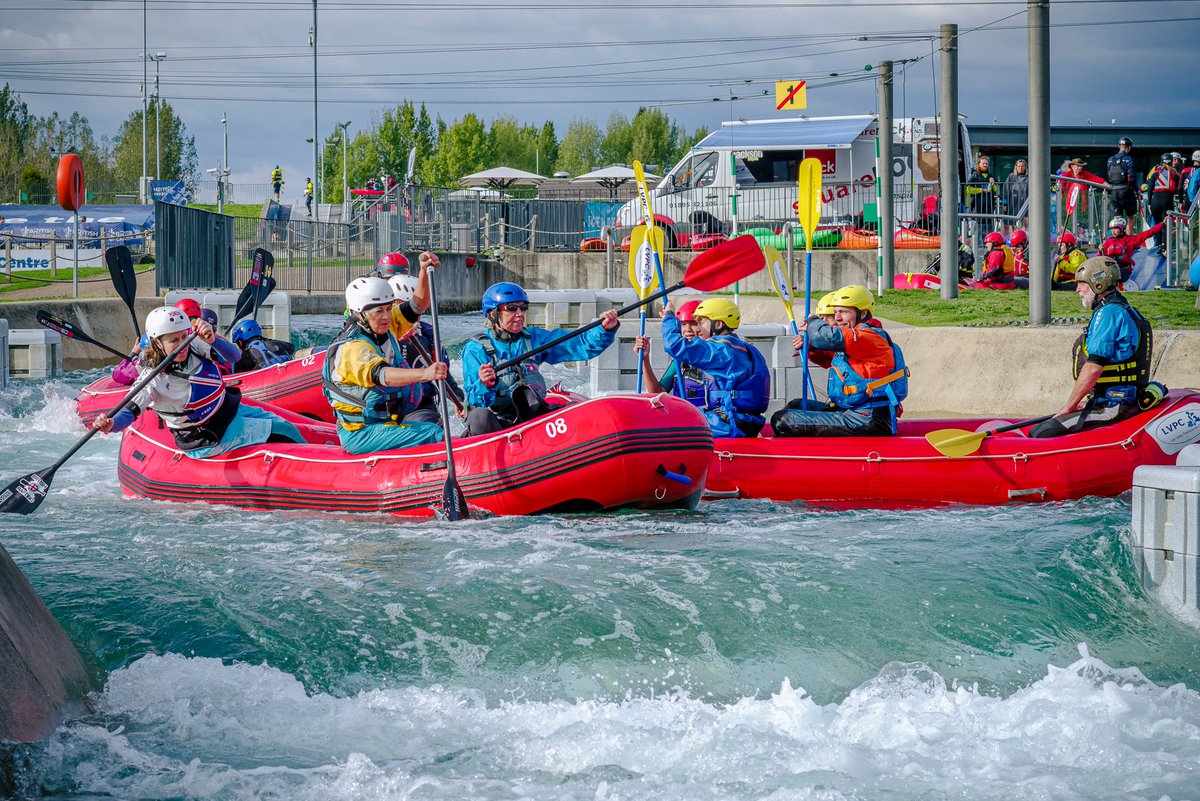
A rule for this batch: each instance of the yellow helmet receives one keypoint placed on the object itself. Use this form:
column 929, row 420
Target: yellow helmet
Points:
column 722, row 310
column 854, row 296
column 825, row 304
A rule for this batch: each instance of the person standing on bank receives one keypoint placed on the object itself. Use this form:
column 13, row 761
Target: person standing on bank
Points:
column 518, row 393
column 1123, row 201
column 1111, row 356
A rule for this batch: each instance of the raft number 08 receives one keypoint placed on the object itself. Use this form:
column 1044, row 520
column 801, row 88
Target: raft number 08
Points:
column 555, row 427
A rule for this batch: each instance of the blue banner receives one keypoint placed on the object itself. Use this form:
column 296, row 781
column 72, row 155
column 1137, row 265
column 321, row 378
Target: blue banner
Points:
column 597, row 214
column 116, row 225
column 170, row 192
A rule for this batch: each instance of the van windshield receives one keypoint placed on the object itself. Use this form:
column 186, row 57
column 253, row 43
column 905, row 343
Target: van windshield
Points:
column 767, row 167
column 695, row 172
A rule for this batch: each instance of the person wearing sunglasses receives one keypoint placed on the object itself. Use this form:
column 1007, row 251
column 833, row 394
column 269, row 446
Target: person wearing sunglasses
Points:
column 518, row 393
column 367, row 381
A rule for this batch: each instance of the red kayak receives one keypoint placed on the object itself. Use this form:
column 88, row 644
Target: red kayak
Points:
column 639, row 451
column 906, row 470
column 294, row 385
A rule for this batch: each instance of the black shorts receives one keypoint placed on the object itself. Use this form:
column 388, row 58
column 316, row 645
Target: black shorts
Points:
column 1123, row 202
column 277, row 187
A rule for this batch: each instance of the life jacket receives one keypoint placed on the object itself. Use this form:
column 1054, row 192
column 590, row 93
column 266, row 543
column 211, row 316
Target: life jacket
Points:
column 511, row 381
column 752, row 393
column 849, row 389
column 1067, row 264
column 1118, row 170
column 693, row 385
column 1119, row 381
column 276, row 176
column 1165, row 180
column 358, row 405
column 1021, row 262
column 266, row 353
column 209, row 409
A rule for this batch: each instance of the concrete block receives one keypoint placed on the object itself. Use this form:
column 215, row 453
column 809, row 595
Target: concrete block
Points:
column 1166, row 509
column 1170, row 577
column 274, row 315
column 610, row 381
column 1190, row 455
column 34, row 353
column 3, row 354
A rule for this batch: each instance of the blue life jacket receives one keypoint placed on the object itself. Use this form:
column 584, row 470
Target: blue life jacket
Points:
column 525, row 374
column 693, row 385
column 377, row 404
column 751, row 395
column 850, row 390
column 266, row 354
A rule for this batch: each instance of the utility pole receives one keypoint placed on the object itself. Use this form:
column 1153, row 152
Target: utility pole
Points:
column 225, row 141
column 1038, row 25
column 145, row 110
column 316, row 141
column 157, row 59
column 345, row 126
column 884, row 181
column 948, row 161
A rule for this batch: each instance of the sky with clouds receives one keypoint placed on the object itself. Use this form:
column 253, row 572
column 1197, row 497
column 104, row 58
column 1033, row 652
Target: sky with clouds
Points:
column 701, row 62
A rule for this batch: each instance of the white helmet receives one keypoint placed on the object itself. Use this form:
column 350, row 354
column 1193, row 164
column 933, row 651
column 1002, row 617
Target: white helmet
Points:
column 367, row 293
column 405, row 286
column 166, row 320
column 1196, row 155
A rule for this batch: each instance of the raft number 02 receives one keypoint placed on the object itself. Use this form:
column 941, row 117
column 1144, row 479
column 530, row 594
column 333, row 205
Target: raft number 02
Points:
column 555, row 427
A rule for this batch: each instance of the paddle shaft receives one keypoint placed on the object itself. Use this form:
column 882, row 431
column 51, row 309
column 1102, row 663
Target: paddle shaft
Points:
column 454, row 398
column 454, row 502
column 55, row 323
column 504, row 365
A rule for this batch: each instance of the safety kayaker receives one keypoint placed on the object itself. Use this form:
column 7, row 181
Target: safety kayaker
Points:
column 190, row 396
column 258, row 351
column 417, row 346
column 1018, row 240
column 1121, row 246
column 367, row 381
column 1067, row 262
column 998, row 264
column 518, row 393
column 1111, row 356
column 737, row 381
column 867, row 375
column 680, row 379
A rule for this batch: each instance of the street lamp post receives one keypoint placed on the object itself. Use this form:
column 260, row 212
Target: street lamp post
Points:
column 157, row 59
column 145, row 78
column 225, row 141
column 221, row 173
column 345, row 138
column 316, row 166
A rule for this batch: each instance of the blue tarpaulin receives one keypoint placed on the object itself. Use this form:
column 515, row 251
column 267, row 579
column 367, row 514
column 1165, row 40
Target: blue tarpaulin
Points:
column 117, row 224
column 828, row 132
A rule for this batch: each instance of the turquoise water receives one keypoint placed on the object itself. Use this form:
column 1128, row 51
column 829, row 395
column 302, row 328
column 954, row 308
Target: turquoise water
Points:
column 751, row 650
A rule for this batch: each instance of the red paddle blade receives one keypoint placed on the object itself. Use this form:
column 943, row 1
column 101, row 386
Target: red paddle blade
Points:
column 725, row 264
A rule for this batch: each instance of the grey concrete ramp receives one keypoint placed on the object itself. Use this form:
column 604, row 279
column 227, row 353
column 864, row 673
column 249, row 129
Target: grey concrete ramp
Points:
column 42, row 679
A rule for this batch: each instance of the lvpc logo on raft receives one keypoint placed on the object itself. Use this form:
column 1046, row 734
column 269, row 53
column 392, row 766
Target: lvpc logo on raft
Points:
column 1178, row 429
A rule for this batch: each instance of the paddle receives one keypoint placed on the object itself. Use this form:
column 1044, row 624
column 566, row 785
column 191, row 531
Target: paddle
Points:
column 26, row 494
column 808, row 208
column 955, row 442
column 120, row 267
column 257, row 288
column 454, row 503
column 424, row 354
column 657, row 245
column 56, row 323
column 780, row 282
column 641, row 274
column 713, row 269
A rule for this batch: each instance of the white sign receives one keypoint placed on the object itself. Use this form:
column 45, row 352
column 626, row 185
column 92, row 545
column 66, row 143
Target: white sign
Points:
column 39, row 259
column 1175, row 431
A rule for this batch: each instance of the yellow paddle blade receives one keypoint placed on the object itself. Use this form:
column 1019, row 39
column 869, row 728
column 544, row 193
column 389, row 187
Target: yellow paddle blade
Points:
column 645, row 245
column 955, row 442
column 778, row 271
column 808, row 206
column 643, row 192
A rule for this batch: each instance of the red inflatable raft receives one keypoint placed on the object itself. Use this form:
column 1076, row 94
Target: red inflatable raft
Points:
column 906, row 470
column 294, row 385
column 638, row 451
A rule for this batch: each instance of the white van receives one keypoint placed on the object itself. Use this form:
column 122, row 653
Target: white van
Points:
column 743, row 175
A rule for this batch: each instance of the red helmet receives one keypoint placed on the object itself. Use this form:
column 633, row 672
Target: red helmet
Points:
column 1018, row 238
column 687, row 311
column 391, row 264
column 994, row 238
column 1066, row 237
column 190, row 307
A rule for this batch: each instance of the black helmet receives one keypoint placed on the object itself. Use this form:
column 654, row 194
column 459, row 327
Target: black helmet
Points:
column 1166, row 158
column 1124, row 140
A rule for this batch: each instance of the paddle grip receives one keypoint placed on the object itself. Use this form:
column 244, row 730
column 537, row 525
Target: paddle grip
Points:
column 678, row 478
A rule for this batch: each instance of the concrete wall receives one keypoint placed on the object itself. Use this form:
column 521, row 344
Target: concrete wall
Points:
column 42, row 679
column 105, row 319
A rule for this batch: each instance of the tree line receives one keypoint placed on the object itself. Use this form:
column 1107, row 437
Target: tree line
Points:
column 30, row 146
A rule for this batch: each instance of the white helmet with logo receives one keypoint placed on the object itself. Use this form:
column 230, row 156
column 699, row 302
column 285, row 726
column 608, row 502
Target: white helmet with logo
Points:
column 405, row 286
column 367, row 293
column 166, row 320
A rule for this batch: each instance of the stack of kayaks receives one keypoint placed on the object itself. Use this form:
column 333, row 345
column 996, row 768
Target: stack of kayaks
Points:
column 823, row 238
column 639, row 451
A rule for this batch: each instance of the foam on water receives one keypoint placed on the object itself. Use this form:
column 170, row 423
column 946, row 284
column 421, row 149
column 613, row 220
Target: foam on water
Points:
column 199, row 728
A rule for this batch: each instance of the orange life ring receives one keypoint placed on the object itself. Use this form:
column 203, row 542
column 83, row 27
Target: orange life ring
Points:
column 592, row 243
column 70, row 182
column 626, row 243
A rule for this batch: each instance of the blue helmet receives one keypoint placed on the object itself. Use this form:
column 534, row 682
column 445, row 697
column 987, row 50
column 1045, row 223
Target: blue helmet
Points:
column 143, row 341
column 503, row 292
column 246, row 330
